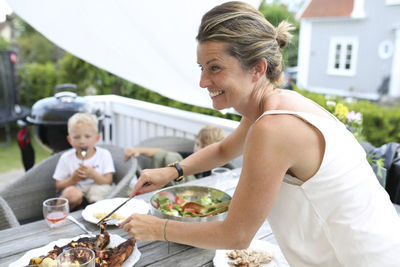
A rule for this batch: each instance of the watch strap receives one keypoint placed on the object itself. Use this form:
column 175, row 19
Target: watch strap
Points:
column 178, row 168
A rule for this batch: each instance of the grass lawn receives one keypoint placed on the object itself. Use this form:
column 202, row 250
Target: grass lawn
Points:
column 10, row 155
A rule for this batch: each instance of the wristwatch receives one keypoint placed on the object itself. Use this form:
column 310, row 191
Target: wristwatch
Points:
column 178, row 167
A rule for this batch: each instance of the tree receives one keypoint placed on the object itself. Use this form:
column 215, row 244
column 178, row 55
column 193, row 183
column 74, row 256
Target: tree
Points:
column 275, row 13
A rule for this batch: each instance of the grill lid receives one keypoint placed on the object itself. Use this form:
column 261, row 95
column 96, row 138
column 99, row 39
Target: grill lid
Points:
column 58, row 109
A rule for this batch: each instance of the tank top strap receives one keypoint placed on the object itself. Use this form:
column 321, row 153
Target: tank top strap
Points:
column 308, row 117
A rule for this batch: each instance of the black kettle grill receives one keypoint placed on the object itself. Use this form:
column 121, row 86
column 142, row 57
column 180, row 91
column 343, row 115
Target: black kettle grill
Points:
column 50, row 115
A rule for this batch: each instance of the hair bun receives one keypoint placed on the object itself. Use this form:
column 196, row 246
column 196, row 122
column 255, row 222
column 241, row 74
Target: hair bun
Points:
column 283, row 35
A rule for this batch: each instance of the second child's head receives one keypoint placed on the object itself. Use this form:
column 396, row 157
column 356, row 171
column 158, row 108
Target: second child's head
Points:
column 207, row 136
column 83, row 131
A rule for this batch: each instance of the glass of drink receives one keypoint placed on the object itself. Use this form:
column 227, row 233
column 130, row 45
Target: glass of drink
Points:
column 221, row 171
column 55, row 210
column 77, row 257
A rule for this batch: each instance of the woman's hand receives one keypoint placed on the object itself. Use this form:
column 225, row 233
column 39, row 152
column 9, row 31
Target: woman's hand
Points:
column 144, row 227
column 152, row 179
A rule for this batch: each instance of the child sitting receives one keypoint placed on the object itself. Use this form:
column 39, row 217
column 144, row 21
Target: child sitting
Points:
column 81, row 169
column 161, row 158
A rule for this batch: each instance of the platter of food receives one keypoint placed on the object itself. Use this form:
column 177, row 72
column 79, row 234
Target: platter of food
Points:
column 259, row 253
column 118, row 249
column 96, row 211
column 190, row 203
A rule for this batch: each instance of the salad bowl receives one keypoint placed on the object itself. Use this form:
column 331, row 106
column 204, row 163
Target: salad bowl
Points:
column 166, row 203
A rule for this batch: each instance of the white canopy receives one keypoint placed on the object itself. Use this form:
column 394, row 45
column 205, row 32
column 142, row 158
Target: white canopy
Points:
column 151, row 43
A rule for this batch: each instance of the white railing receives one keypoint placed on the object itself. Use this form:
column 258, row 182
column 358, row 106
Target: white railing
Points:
column 131, row 121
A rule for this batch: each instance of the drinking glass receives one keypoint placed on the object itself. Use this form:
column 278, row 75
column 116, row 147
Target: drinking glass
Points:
column 76, row 257
column 221, row 171
column 55, row 210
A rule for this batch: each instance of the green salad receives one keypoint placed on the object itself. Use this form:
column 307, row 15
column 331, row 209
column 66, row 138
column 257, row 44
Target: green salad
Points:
column 168, row 205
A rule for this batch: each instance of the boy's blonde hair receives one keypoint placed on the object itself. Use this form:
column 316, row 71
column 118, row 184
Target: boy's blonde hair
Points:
column 86, row 118
column 210, row 134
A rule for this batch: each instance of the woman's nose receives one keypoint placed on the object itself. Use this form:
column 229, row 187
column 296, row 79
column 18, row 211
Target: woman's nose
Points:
column 204, row 80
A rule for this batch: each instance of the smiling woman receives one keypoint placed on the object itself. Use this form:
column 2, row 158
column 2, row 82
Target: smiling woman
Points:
column 301, row 166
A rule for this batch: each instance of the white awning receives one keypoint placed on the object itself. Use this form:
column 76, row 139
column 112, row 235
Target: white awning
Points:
column 151, row 43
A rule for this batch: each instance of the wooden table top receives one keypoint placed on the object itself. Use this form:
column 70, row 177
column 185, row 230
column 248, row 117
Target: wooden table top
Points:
column 15, row 242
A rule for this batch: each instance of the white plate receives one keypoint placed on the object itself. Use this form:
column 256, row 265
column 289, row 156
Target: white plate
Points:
column 115, row 240
column 107, row 205
column 221, row 259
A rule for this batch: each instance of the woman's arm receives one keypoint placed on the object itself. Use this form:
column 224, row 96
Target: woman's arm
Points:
column 217, row 154
column 211, row 156
column 267, row 157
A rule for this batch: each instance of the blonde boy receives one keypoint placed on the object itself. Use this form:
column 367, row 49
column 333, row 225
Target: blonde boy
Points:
column 84, row 165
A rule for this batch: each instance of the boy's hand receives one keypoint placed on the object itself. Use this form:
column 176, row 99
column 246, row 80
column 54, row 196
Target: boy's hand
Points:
column 77, row 176
column 85, row 171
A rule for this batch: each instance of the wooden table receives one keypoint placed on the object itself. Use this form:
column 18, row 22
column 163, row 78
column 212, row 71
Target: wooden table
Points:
column 16, row 241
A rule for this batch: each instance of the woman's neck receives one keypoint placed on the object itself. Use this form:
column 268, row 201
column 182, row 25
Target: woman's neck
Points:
column 259, row 102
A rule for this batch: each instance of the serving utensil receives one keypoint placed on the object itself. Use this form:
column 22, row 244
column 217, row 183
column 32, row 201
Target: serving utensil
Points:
column 72, row 219
column 111, row 222
column 207, row 210
column 214, row 212
column 112, row 212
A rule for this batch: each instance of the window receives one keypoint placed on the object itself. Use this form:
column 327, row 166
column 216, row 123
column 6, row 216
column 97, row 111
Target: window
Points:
column 342, row 56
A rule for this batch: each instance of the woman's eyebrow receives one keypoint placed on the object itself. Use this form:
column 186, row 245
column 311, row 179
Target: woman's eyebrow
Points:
column 210, row 61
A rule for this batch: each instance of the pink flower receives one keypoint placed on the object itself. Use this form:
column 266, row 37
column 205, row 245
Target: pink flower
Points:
column 354, row 117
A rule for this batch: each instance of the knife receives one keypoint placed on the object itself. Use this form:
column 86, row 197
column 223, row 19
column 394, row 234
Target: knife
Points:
column 72, row 219
column 112, row 212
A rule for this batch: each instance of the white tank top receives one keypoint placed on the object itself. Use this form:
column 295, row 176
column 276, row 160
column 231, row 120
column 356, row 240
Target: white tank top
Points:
column 341, row 216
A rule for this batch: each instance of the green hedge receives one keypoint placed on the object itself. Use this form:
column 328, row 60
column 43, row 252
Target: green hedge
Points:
column 380, row 124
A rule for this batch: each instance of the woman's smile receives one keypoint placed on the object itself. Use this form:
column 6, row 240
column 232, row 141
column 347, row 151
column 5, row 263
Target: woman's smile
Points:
column 215, row 93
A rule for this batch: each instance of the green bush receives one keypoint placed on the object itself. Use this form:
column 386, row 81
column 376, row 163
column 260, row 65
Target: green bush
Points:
column 37, row 81
column 4, row 44
column 380, row 124
column 35, row 48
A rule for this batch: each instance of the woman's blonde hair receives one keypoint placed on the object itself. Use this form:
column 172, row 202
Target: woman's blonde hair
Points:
column 250, row 37
column 210, row 134
column 85, row 118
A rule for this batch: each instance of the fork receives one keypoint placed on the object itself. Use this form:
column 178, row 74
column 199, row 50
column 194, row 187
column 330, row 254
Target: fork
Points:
column 112, row 222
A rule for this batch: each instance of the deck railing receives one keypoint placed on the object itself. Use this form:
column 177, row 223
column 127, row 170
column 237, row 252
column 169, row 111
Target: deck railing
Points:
column 130, row 121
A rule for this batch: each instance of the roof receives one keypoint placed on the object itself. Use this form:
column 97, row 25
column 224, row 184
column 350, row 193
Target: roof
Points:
column 328, row 8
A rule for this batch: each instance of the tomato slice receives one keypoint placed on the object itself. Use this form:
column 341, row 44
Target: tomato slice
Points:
column 170, row 206
column 179, row 200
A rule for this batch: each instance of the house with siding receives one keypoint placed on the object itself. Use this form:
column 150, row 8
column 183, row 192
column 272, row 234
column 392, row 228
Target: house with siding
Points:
column 350, row 48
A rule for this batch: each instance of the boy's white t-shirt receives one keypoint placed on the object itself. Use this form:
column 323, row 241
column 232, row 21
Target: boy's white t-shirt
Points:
column 101, row 161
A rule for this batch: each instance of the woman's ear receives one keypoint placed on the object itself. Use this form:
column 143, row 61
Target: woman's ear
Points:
column 69, row 139
column 260, row 68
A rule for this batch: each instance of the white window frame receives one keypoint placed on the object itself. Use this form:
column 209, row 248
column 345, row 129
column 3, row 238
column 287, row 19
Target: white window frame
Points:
column 392, row 2
column 343, row 42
